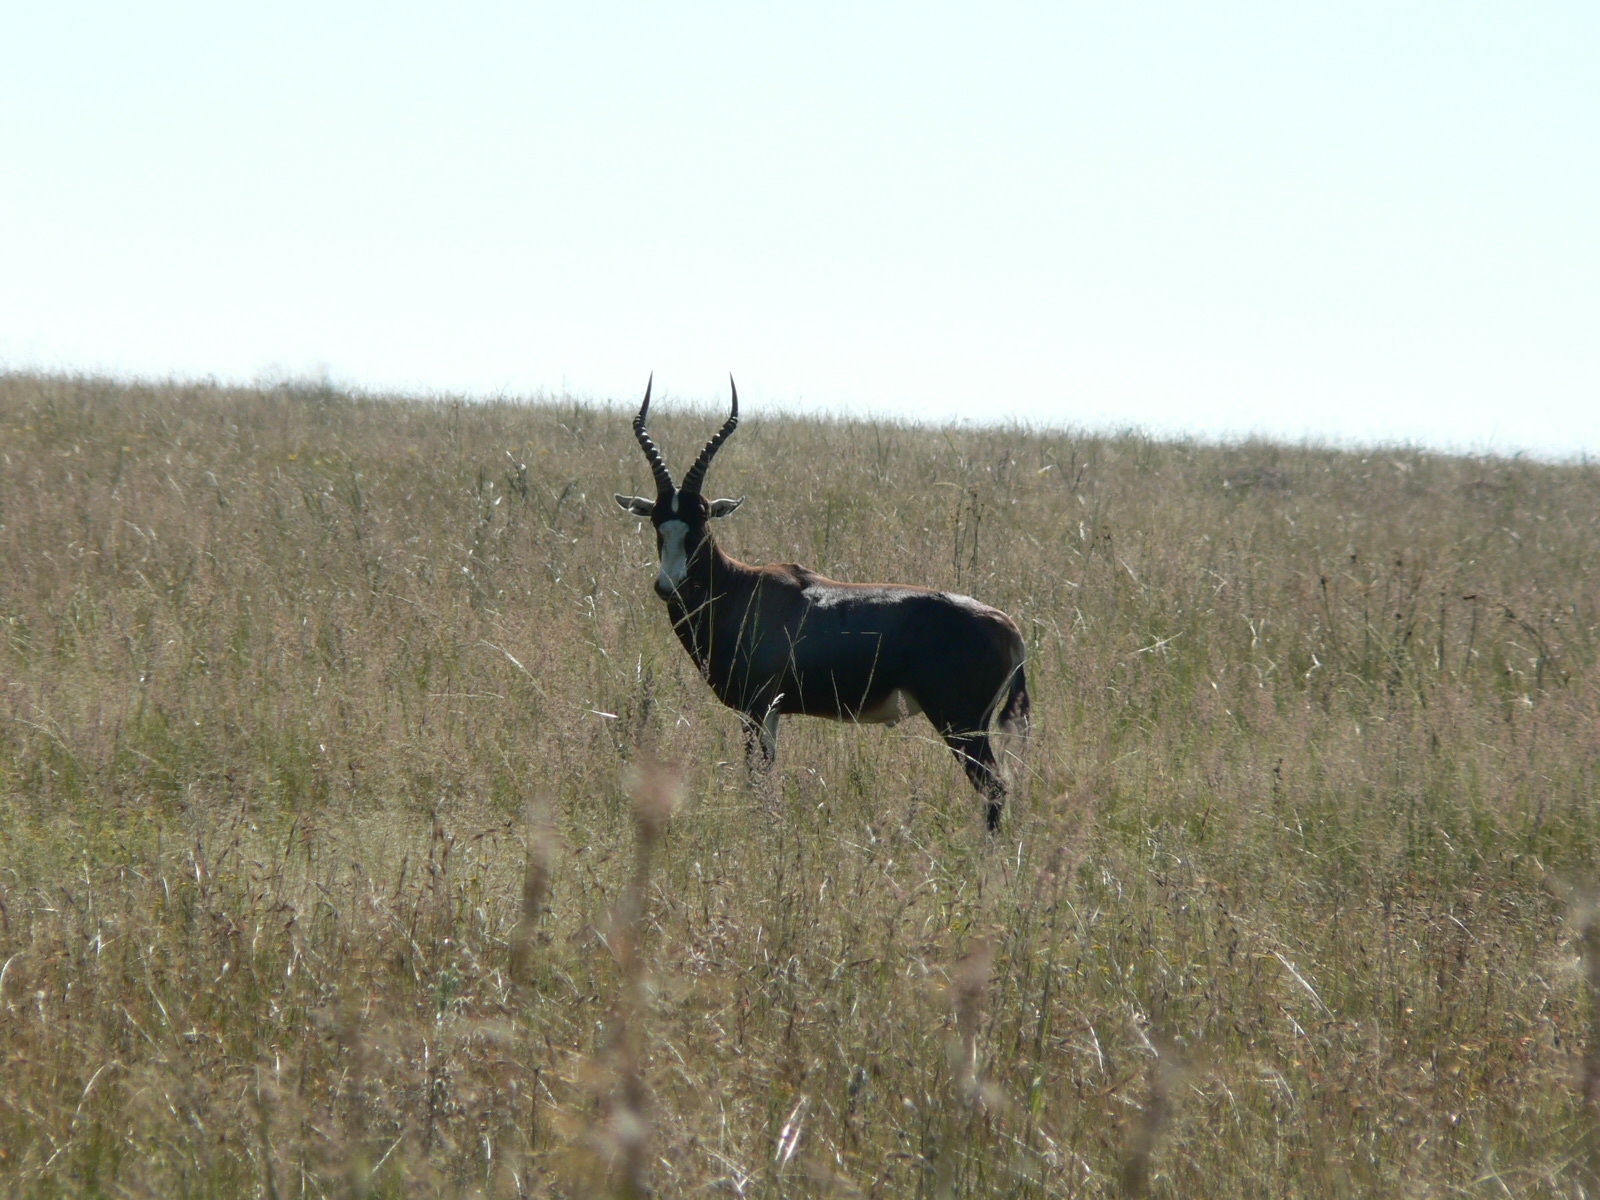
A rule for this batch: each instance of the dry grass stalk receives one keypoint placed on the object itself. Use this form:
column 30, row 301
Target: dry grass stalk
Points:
column 1586, row 920
column 969, row 984
column 1154, row 1118
column 535, row 893
column 626, row 1134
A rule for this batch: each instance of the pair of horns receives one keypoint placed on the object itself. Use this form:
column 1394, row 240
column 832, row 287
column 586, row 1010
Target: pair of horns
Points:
column 658, row 465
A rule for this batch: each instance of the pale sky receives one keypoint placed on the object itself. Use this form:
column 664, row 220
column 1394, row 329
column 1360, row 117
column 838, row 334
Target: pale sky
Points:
column 1358, row 222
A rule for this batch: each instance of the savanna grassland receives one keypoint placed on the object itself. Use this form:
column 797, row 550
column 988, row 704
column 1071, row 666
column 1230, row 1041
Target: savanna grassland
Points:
column 364, row 830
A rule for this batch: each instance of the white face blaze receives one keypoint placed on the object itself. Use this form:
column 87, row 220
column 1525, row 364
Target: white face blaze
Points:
column 674, row 558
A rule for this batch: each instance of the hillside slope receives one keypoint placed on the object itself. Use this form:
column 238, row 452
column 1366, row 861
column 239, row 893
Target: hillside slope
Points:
column 320, row 717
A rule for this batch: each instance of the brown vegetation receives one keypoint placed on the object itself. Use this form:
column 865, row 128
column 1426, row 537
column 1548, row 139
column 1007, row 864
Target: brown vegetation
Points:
column 335, row 858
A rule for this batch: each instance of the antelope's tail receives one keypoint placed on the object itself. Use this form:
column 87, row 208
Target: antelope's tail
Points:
column 1015, row 711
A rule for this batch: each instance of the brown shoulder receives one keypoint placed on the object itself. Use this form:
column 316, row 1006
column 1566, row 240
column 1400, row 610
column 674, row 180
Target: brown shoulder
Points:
column 797, row 573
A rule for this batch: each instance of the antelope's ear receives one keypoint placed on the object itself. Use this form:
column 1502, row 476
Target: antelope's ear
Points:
column 638, row 505
column 721, row 508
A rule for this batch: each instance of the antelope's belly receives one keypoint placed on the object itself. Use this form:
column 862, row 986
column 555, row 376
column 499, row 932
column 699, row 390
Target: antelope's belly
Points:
column 896, row 706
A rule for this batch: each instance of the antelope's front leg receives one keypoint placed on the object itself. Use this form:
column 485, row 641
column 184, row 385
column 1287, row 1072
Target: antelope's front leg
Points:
column 760, row 742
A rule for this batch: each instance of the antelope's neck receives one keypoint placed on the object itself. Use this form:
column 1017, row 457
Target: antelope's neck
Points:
column 695, row 607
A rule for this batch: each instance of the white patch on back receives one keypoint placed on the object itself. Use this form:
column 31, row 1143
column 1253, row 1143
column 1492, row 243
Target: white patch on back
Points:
column 674, row 559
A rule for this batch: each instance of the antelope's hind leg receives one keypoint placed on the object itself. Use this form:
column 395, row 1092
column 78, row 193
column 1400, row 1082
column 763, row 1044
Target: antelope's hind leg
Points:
column 976, row 756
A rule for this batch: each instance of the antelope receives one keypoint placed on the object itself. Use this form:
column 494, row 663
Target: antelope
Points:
column 781, row 639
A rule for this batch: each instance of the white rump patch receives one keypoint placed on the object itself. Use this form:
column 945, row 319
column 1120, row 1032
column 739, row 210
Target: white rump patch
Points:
column 896, row 706
column 674, row 559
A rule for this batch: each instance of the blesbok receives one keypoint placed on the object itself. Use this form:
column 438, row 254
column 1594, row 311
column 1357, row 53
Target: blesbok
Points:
column 782, row 639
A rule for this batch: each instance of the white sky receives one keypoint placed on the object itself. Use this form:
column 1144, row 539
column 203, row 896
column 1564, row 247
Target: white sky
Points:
column 1357, row 222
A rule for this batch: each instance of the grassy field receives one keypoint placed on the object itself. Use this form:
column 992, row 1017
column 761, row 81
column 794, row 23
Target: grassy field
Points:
column 364, row 830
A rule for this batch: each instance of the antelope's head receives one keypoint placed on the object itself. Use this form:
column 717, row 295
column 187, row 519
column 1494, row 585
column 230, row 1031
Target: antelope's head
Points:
column 679, row 513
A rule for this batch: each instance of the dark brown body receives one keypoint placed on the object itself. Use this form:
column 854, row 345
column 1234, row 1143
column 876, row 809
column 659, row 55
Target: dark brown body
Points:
column 784, row 636
column 782, row 639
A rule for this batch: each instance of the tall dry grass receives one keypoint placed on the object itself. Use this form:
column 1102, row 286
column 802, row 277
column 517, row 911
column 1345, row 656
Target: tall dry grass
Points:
column 321, row 872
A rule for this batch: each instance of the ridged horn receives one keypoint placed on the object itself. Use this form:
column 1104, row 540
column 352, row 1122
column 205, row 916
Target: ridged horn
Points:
column 697, row 473
column 658, row 465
